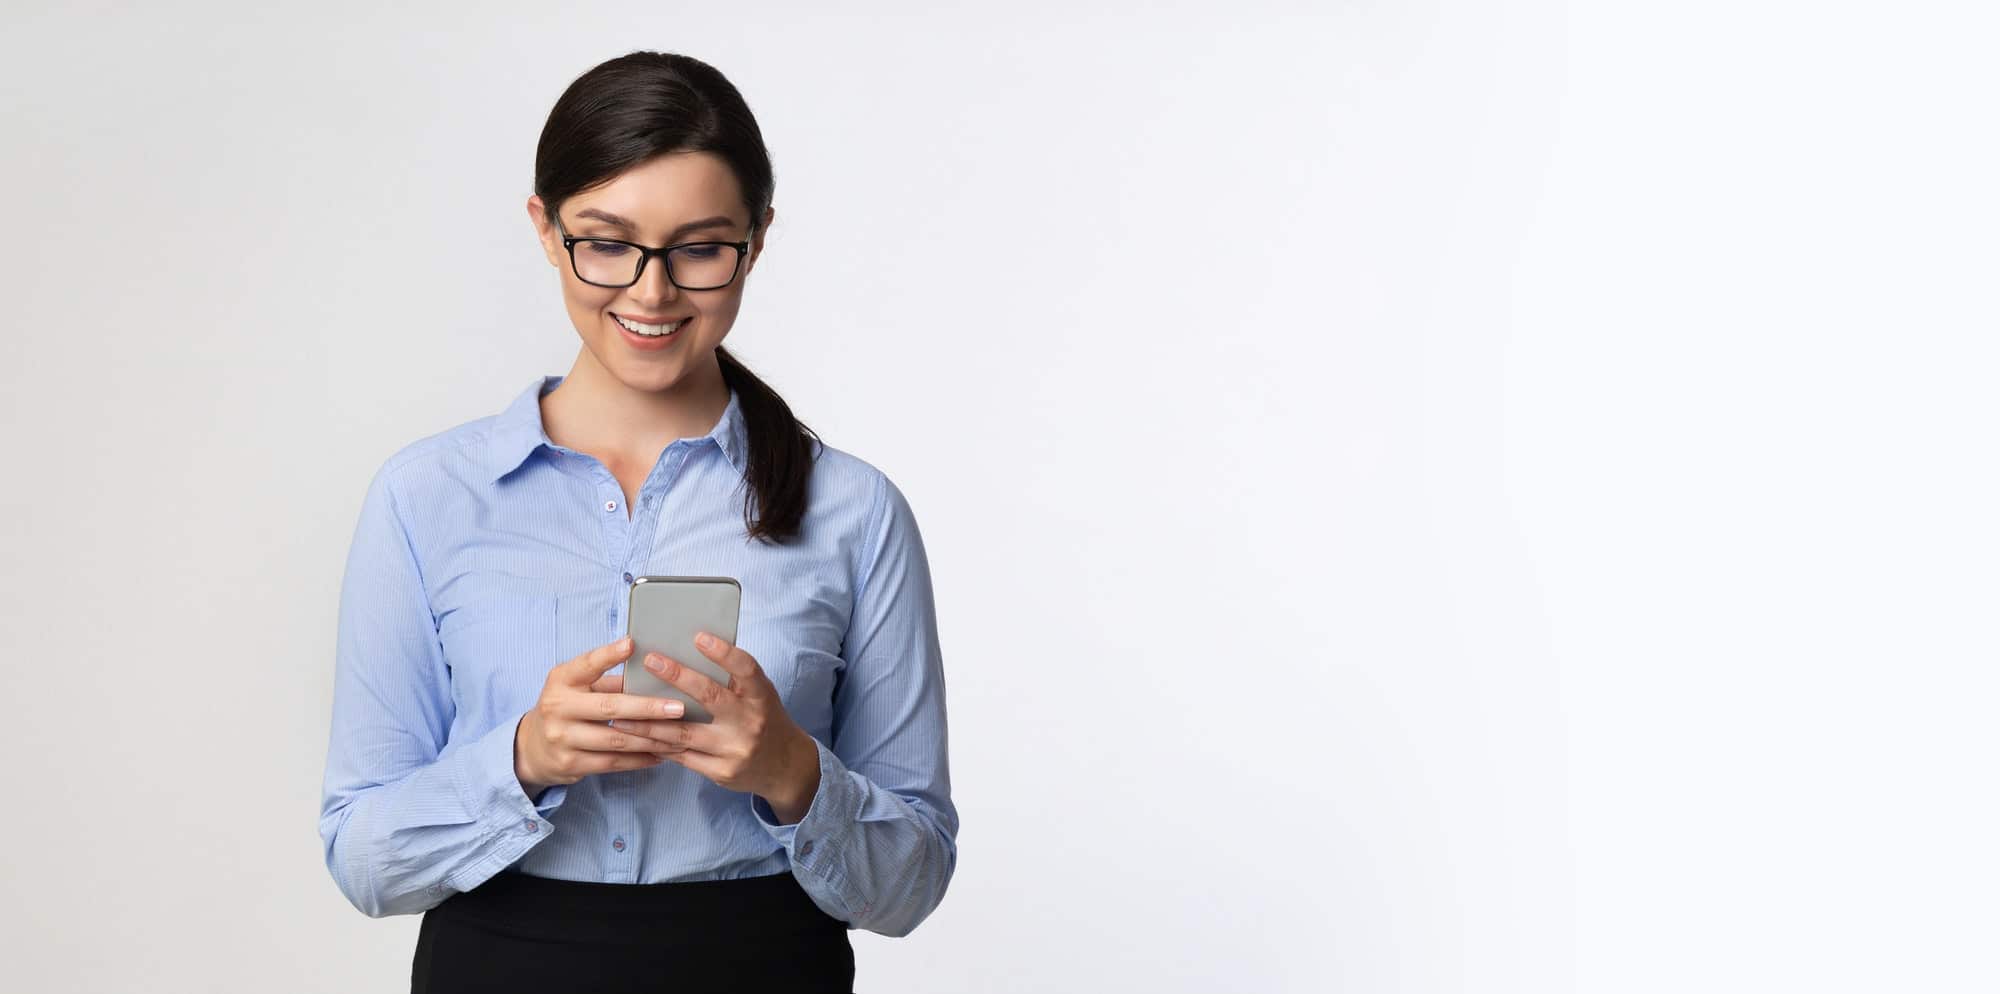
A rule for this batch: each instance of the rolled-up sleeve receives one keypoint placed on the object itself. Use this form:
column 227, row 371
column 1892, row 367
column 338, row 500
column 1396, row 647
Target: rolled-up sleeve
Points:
column 408, row 818
column 878, row 844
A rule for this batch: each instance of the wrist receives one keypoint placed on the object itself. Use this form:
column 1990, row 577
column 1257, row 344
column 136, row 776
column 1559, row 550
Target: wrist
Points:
column 529, row 785
column 794, row 797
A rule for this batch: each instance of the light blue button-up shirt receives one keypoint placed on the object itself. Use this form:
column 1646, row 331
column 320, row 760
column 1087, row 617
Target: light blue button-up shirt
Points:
column 486, row 555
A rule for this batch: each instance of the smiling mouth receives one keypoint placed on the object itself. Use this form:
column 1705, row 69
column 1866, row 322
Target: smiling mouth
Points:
column 647, row 329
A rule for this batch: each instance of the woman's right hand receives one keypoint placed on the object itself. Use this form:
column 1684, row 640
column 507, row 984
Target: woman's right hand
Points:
column 565, row 738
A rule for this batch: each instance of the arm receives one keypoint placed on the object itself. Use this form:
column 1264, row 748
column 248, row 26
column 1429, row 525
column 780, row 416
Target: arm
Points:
column 407, row 818
column 878, row 842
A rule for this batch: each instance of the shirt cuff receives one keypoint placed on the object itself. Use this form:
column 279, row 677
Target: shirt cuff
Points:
column 834, row 807
column 490, row 790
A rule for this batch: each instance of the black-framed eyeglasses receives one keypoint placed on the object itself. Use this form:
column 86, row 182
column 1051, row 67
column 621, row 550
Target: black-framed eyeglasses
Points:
column 613, row 262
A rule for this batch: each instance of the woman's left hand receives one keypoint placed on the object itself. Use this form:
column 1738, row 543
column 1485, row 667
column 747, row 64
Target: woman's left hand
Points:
column 752, row 745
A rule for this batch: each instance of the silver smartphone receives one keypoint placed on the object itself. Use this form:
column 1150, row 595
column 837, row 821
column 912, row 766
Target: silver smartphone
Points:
column 663, row 616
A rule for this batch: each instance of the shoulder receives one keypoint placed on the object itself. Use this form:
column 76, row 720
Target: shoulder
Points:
column 846, row 482
column 864, row 503
column 452, row 455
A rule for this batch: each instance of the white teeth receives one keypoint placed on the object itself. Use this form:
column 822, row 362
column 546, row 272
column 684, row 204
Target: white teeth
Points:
column 648, row 329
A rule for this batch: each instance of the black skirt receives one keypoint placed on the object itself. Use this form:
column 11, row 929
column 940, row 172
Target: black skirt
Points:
column 518, row 932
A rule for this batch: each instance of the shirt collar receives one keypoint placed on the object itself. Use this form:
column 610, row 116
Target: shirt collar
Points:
column 518, row 431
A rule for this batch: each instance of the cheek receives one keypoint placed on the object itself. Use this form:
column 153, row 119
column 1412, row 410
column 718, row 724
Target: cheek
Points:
column 587, row 309
column 717, row 318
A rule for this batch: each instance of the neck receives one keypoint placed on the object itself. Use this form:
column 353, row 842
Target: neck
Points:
column 591, row 410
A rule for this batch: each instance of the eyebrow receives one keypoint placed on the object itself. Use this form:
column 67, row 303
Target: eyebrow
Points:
column 628, row 227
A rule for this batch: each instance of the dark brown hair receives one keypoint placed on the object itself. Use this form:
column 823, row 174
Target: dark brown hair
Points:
column 629, row 110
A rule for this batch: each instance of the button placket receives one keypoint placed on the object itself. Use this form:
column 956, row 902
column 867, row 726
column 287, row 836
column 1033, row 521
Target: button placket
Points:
column 639, row 555
column 616, row 529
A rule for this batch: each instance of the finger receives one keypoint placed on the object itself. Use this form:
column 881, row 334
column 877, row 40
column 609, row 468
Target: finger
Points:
column 585, row 669
column 611, row 684
column 604, row 738
column 612, row 762
column 606, row 707
column 680, row 735
column 742, row 667
column 700, row 762
column 698, row 685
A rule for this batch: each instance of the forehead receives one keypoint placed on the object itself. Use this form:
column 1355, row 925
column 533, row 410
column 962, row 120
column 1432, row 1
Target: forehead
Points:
column 663, row 193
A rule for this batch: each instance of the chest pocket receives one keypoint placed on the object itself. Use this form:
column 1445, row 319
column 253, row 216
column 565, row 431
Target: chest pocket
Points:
column 796, row 638
column 499, row 644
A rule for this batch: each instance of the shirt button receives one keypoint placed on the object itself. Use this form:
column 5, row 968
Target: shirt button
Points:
column 628, row 578
column 611, row 505
column 806, row 850
column 618, row 843
column 529, row 825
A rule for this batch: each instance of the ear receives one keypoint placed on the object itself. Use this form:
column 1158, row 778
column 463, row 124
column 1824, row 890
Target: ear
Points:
column 757, row 244
column 545, row 232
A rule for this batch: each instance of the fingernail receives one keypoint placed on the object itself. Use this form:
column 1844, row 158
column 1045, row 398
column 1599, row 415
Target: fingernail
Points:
column 654, row 662
column 673, row 709
column 625, row 643
column 705, row 640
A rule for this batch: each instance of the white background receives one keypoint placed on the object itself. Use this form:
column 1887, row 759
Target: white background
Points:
column 1440, row 496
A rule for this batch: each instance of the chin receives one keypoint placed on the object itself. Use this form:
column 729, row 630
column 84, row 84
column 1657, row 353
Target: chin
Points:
column 650, row 376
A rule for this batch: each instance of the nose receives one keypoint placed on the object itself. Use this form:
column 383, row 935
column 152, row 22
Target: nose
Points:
column 654, row 286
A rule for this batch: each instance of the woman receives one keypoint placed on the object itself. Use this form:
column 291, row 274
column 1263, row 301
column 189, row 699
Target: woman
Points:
column 485, row 766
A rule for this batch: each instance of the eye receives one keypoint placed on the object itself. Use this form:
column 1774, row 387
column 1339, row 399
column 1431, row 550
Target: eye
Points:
column 607, row 249
column 702, row 251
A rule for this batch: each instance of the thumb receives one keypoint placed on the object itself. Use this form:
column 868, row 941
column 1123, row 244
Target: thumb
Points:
column 585, row 669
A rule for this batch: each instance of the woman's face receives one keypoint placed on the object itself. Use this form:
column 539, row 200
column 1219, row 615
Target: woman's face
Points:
column 670, row 200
